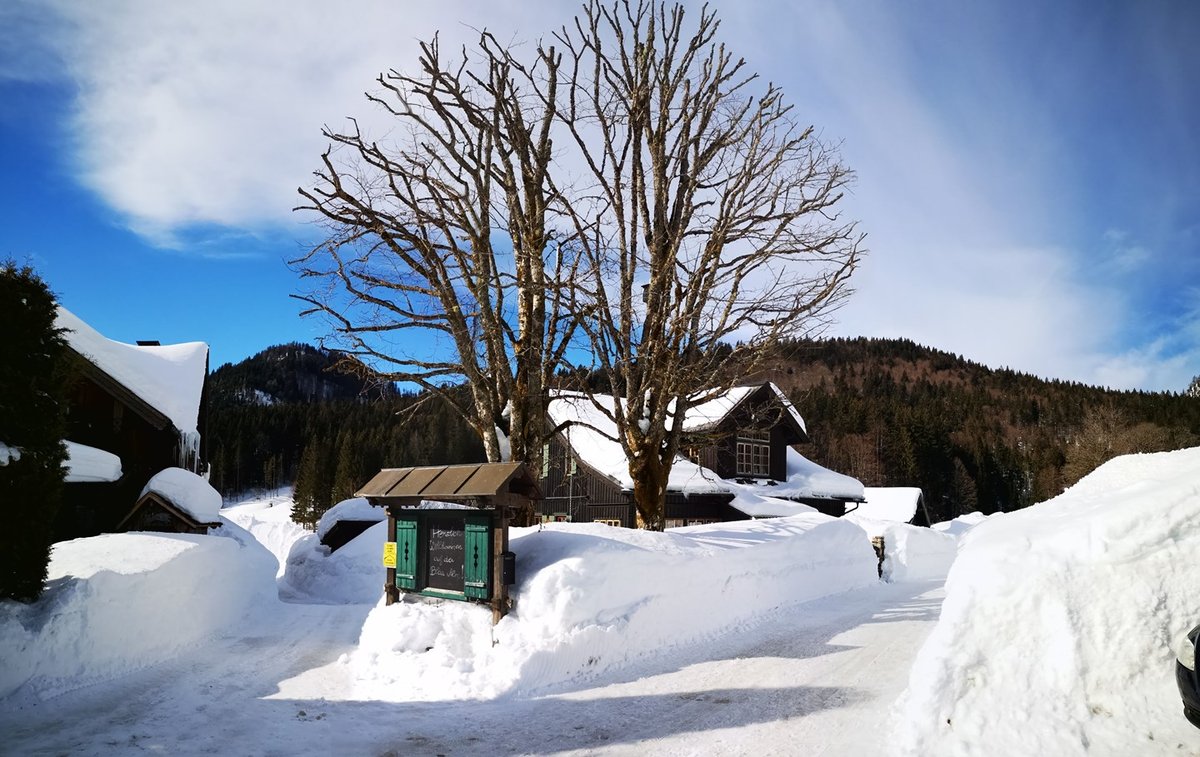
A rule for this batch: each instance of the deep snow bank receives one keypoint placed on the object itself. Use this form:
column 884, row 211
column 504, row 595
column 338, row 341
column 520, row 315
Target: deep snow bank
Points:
column 269, row 520
column 1058, row 623
column 118, row 602
column 592, row 598
column 352, row 575
column 910, row 553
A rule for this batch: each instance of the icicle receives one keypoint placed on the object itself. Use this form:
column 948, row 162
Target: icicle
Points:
column 188, row 450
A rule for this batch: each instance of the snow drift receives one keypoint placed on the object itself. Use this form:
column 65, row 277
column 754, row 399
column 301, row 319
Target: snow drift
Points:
column 592, row 598
column 1057, row 628
column 119, row 602
column 910, row 553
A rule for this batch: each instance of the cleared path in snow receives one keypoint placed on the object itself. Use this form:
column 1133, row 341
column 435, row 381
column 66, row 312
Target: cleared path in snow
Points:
column 815, row 679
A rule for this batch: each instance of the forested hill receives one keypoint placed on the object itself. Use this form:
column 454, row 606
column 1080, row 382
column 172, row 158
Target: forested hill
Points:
column 889, row 412
column 291, row 373
column 287, row 404
column 894, row 413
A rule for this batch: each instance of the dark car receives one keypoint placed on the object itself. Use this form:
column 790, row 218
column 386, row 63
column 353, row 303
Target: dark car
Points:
column 1185, row 675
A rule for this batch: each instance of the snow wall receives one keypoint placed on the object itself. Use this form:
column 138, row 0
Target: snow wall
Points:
column 1057, row 629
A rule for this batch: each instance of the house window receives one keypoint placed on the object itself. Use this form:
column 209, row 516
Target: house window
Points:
column 609, row 522
column 753, row 452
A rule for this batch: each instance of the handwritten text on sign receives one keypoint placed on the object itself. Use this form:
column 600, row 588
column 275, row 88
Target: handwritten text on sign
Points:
column 446, row 542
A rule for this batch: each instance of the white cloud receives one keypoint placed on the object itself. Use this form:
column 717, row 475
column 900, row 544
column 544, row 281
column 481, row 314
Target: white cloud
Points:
column 211, row 113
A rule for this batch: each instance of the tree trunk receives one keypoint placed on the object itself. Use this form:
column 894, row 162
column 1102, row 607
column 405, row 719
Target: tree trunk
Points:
column 650, row 492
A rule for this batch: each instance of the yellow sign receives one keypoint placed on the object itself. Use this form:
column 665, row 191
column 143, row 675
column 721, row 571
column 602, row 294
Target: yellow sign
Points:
column 389, row 554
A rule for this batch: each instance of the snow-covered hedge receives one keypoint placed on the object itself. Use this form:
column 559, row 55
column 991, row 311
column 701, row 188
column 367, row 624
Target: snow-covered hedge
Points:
column 119, row 602
column 590, row 598
column 1059, row 621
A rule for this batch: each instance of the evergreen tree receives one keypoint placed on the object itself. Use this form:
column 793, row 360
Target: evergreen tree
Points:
column 314, row 484
column 304, row 490
column 33, row 368
column 347, row 474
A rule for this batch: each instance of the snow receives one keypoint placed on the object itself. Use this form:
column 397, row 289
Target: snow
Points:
column 592, row 598
column 268, row 518
column 118, row 602
column 806, row 479
column 356, row 508
column 353, row 574
column 1057, row 629
column 752, row 637
column 749, row 501
column 90, row 465
column 170, row 378
column 961, row 524
column 84, row 464
column 9, row 454
column 187, row 491
column 895, row 503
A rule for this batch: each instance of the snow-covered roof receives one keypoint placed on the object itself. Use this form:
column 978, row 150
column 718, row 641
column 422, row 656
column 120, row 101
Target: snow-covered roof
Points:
column 710, row 413
column 355, row 508
column 188, row 492
column 807, row 480
column 592, row 434
column 749, row 499
column 169, row 378
column 893, row 503
column 90, row 465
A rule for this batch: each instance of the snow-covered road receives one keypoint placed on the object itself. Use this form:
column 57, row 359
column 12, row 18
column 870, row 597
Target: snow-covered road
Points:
column 814, row 679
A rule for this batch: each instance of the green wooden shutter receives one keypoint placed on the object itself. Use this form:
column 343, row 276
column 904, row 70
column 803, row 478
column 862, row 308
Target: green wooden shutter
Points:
column 406, row 554
column 477, row 573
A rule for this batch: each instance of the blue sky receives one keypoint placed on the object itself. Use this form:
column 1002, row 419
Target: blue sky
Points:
column 1028, row 173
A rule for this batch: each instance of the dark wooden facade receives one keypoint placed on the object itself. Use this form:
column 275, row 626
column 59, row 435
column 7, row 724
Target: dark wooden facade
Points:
column 572, row 490
column 104, row 414
column 758, row 414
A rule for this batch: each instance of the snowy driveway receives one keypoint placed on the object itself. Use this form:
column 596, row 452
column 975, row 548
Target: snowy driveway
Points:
column 815, row 679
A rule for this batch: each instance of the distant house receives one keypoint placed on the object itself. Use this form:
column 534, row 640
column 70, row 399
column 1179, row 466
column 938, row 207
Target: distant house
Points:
column 133, row 410
column 346, row 520
column 738, row 463
column 175, row 501
column 893, row 504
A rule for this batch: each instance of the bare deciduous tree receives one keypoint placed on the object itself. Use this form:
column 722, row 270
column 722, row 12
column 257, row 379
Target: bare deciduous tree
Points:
column 716, row 221
column 698, row 227
column 421, row 228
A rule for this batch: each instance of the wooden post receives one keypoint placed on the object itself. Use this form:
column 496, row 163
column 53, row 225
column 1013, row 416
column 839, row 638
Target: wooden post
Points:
column 499, row 547
column 390, row 591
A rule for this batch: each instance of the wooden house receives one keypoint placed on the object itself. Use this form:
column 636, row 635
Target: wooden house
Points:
column 142, row 404
column 737, row 441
